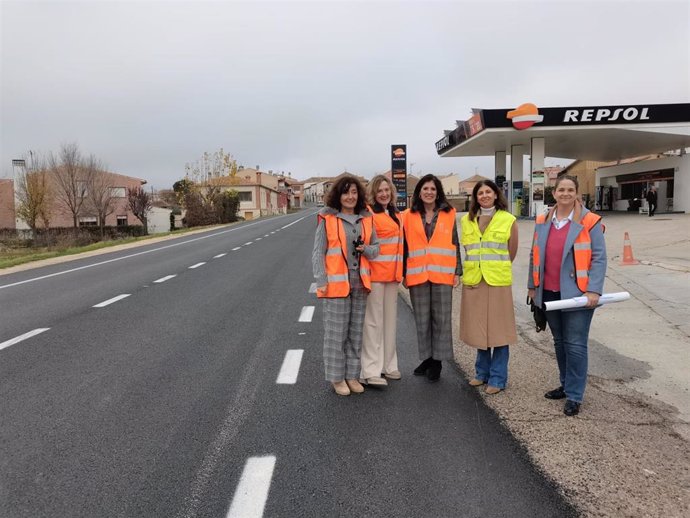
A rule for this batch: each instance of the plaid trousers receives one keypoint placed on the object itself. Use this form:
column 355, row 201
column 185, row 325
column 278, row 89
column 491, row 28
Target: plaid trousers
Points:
column 343, row 322
column 432, row 305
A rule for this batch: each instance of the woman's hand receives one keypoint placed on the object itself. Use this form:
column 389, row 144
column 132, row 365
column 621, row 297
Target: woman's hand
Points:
column 530, row 293
column 592, row 299
column 456, row 281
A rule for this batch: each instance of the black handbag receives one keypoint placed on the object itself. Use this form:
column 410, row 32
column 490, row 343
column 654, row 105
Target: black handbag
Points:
column 538, row 313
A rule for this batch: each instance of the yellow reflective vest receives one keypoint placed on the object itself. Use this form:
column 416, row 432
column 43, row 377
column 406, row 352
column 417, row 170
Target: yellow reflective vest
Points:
column 487, row 254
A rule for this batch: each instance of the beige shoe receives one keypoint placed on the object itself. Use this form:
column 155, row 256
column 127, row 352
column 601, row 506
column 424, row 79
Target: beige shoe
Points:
column 492, row 390
column 395, row 375
column 355, row 386
column 476, row 383
column 341, row 388
column 374, row 381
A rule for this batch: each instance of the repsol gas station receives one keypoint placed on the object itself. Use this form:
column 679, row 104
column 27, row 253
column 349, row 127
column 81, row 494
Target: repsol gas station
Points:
column 601, row 133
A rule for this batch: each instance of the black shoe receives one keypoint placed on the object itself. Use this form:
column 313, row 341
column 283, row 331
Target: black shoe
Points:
column 423, row 367
column 434, row 372
column 571, row 408
column 555, row 394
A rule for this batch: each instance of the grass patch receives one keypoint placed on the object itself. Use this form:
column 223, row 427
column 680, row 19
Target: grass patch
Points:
column 15, row 256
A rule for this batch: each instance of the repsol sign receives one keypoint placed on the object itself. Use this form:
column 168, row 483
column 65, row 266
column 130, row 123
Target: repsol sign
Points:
column 629, row 114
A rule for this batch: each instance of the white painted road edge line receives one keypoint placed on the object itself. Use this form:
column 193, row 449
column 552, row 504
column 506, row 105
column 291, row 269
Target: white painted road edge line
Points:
column 296, row 221
column 196, row 265
column 312, row 287
column 166, row 278
column 307, row 314
column 219, row 255
column 110, row 301
column 252, row 492
column 23, row 337
column 236, row 248
column 290, row 369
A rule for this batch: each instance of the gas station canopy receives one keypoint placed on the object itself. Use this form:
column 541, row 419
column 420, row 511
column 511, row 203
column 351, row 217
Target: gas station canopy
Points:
column 604, row 133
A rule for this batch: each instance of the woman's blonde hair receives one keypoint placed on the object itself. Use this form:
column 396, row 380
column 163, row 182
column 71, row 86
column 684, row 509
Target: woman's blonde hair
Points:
column 373, row 187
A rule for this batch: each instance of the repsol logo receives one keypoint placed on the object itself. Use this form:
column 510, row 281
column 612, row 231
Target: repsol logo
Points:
column 444, row 142
column 604, row 114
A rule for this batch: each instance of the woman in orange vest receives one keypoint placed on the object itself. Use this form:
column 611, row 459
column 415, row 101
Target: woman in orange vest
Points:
column 379, row 356
column 568, row 259
column 345, row 241
column 432, row 268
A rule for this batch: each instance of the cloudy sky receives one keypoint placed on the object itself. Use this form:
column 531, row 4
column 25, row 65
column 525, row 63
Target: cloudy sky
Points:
column 315, row 88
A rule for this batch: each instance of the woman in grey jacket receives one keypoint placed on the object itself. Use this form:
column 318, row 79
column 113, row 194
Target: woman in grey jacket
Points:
column 568, row 259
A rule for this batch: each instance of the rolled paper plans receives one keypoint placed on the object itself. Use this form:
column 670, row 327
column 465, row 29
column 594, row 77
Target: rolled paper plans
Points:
column 578, row 302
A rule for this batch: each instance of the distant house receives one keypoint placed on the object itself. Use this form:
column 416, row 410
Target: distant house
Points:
column 60, row 216
column 451, row 184
column 468, row 184
column 259, row 192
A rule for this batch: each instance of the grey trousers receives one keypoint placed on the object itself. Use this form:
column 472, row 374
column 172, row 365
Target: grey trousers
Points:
column 343, row 322
column 432, row 305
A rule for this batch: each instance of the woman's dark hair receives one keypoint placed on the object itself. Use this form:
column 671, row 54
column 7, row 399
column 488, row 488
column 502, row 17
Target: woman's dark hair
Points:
column 567, row 177
column 340, row 187
column 500, row 203
column 441, row 201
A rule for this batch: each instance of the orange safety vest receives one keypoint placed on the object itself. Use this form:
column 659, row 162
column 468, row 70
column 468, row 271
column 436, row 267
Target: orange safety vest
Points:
column 338, row 283
column 582, row 250
column 433, row 260
column 387, row 266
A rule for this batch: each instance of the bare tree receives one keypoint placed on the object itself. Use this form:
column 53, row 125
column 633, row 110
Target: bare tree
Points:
column 140, row 203
column 99, row 191
column 34, row 193
column 71, row 180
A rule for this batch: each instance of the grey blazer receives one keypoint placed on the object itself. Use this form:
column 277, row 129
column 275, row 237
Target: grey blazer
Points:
column 597, row 269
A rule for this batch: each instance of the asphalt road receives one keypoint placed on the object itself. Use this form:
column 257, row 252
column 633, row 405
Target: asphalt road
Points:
column 164, row 402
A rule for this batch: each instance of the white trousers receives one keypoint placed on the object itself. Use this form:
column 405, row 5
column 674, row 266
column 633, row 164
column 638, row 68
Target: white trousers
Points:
column 379, row 354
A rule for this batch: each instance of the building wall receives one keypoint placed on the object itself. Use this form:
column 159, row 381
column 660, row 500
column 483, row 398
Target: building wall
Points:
column 681, row 180
column 451, row 184
column 7, row 204
column 584, row 171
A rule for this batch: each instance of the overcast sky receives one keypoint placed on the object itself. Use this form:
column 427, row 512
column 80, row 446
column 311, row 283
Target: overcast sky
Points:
column 315, row 88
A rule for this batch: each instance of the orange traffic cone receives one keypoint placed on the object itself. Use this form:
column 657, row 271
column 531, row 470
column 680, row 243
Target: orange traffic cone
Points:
column 628, row 258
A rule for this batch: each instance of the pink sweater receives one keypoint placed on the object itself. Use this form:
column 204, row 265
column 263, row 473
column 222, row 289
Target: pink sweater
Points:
column 554, row 254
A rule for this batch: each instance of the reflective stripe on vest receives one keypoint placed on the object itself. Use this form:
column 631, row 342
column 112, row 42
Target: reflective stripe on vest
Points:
column 387, row 266
column 431, row 260
column 338, row 282
column 582, row 251
column 487, row 256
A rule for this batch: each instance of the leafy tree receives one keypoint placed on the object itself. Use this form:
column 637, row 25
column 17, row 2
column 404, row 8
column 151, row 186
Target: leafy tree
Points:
column 227, row 205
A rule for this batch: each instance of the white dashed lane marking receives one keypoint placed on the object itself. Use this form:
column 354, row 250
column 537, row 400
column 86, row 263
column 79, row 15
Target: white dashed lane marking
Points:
column 20, row 338
column 236, row 248
column 252, row 491
column 219, row 256
column 290, row 369
column 110, row 301
column 166, row 278
column 312, row 288
column 196, row 265
column 258, row 239
column 307, row 314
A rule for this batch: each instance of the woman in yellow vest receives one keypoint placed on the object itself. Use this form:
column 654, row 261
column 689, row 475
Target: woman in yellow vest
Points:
column 379, row 355
column 432, row 268
column 487, row 315
column 345, row 241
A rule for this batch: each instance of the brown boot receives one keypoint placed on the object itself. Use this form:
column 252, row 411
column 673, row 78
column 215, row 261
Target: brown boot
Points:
column 355, row 386
column 341, row 388
column 476, row 383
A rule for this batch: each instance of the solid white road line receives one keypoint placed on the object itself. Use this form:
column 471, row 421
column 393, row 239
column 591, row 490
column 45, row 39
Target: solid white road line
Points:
column 196, row 265
column 312, row 287
column 166, row 278
column 23, row 337
column 219, row 255
column 236, row 248
column 252, row 492
column 307, row 314
column 290, row 369
column 247, row 243
column 133, row 255
column 296, row 221
column 110, row 301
